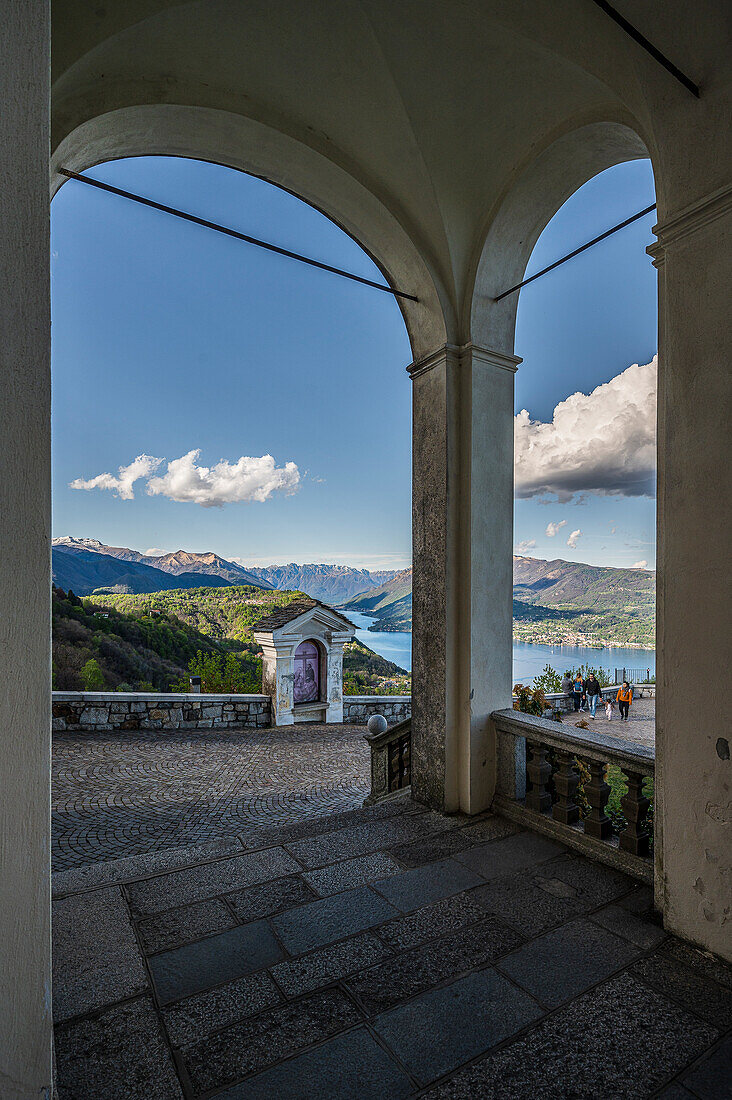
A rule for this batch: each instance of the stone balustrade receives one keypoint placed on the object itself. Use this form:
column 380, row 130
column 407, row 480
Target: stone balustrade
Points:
column 357, row 709
column 391, row 760
column 543, row 795
column 92, row 711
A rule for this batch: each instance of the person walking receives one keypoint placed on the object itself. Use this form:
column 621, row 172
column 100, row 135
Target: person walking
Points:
column 578, row 690
column 592, row 691
column 567, row 687
column 624, row 699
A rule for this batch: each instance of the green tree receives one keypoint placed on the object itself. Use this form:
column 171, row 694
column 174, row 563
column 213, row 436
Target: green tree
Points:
column 92, row 676
column 549, row 680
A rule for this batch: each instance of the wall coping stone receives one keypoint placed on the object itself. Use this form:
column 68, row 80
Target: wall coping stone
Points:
column 92, row 697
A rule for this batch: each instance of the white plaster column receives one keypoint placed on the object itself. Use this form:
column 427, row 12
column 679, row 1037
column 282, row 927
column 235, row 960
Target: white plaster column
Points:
column 693, row 768
column 25, row 574
column 334, row 677
column 462, row 508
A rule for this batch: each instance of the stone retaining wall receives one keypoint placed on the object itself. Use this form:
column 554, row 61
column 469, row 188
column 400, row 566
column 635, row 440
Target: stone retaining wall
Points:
column 357, row 709
column 118, row 710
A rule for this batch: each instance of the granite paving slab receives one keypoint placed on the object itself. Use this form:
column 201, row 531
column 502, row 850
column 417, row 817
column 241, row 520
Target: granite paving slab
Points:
column 412, row 973
column 430, row 921
column 643, row 933
column 415, row 888
column 431, row 848
column 593, row 884
column 190, row 1020
column 322, row 922
column 711, row 1078
column 706, row 964
column 511, row 853
column 618, row 1041
column 96, row 960
column 490, row 828
column 270, row 897
column 178, row 926
column 118, row 1055
column 346, row 843
column 351, row 872
column 350, row 1067
column 216, row 959
column 525, row 905
column 560, row 964
column 440, row 1030
column 253, row 1044
column 696, row 992
column 297, row 976
column 196, row 883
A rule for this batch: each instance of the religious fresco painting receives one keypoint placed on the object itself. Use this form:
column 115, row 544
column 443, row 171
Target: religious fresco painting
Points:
column 307, row 673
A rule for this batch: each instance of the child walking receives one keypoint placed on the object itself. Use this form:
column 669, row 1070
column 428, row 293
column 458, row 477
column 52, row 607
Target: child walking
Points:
column 624, row 699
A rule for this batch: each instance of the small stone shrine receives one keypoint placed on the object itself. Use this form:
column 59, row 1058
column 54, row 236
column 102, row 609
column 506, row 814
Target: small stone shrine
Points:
column 302, row 667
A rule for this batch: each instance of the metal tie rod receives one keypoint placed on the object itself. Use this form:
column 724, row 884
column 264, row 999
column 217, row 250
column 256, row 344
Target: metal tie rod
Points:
column 642, row 41
column 582, row 248
column 234, row 233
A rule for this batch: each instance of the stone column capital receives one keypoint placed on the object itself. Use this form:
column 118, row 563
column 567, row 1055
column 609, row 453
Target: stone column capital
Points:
column 689, row 220
column 455, row 354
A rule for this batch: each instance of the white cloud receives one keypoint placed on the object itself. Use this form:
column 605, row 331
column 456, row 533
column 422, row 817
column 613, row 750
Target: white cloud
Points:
column 155, row 552
column 572, row 540
column 639, row 564
column 526, row 544
column 143, row 466
column 603, row 442
column 553, row 528
column 248, row 479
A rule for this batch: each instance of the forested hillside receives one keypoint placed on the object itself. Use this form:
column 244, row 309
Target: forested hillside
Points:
column 147, row 641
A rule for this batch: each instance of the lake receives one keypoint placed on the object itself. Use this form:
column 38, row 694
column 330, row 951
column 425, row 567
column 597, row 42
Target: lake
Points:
column 528, row 659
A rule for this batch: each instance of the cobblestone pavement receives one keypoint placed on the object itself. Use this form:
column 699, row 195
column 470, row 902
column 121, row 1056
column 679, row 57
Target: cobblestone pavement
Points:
column 119, row 794
column 379, row 954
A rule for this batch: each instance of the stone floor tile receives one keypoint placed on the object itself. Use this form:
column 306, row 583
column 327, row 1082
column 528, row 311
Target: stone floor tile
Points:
column 398, row 979
column 349, row 1067
column 129, row 868
column 560, row 964
column 297, row 976
column 270, row 897
column 643, row 933
column 490, row 828
column 619, row 1041
column 512, row 853
column 216, row 959
column 524, row 905
column 422, row 885
column 96, row 960
column 693, row 990
column 196, row 883
column 190, row 1020
column 330, row 919
column 179, row 926
column 118, row 1055
column 440, row 1030
column 351, row 872
column 254, row 1044
column 593, row 884
column 436, row 846
column 676, row 1092
column 638, row 901
column 347, row 843
column 431, row 920
column 702, row 961
column 711, row 1078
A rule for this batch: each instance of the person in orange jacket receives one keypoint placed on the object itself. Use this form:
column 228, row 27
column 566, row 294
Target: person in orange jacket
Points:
column 624, row 699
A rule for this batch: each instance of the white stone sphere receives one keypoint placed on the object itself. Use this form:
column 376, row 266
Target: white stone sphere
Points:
column 377, row 724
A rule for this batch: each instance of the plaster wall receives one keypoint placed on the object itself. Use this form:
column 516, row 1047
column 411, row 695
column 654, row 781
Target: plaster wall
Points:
column 25, row 518
column 693, row 768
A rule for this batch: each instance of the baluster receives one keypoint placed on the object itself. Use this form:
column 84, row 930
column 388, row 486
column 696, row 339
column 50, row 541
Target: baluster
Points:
column 597, row 824
column 566, row 778
column 539, row 772
column 406, row 761
column 394, row 766
column 635, row 836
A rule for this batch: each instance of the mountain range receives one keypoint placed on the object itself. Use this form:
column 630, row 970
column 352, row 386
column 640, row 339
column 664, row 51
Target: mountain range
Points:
column 88, row 565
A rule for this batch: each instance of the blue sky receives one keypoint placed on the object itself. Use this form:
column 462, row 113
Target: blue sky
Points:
column 169, row 339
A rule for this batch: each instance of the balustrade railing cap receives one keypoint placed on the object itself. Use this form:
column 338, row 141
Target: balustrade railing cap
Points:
column 593, row 745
